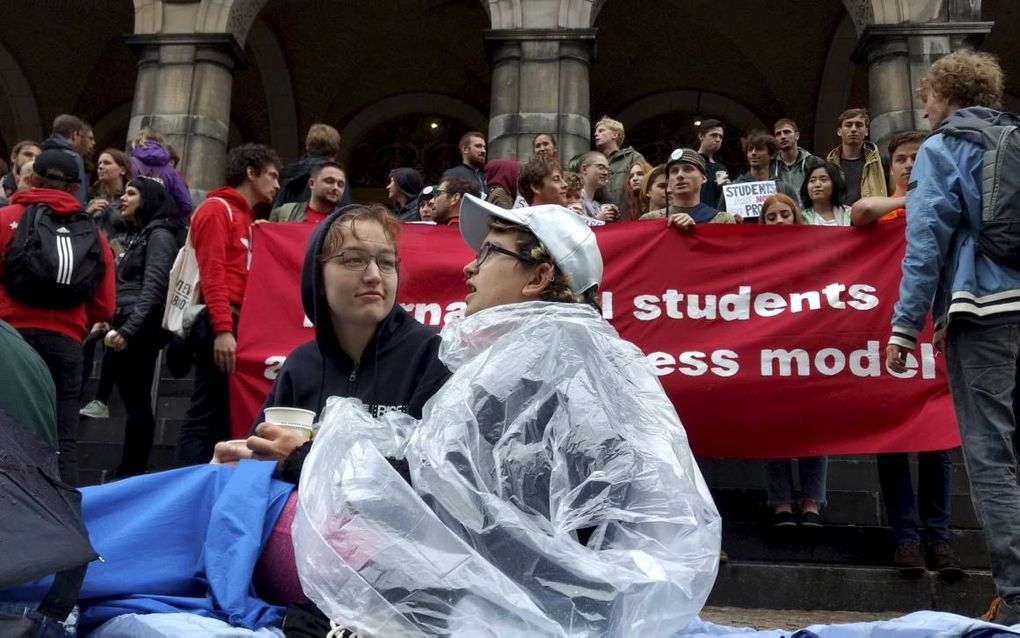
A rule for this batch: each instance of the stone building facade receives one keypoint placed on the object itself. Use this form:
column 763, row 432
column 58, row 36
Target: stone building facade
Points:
column 403, row 79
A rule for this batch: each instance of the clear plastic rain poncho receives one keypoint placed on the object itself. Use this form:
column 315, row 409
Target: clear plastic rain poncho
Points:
column 554, row 493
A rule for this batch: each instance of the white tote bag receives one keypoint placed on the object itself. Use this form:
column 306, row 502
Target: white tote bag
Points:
column 184, row 295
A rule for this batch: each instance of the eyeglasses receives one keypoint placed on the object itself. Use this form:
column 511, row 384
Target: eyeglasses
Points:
column 488, row 248
column 358, row 260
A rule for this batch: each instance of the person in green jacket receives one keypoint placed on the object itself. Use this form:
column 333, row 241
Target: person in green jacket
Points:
column 27, row 392
column 327, row 185
column 857, row 159
column 609, row 136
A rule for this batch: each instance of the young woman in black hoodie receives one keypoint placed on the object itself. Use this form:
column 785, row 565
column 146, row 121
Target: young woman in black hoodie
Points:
column 143, row 272
column 366, row 345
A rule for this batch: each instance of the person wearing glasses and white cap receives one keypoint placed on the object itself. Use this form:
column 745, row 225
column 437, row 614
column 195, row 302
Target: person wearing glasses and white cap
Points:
column 551, row 487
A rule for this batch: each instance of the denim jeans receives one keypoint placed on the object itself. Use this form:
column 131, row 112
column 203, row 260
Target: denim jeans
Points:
column 982, row 364
column 813, row 472
column 934, row 473
column 63, row 356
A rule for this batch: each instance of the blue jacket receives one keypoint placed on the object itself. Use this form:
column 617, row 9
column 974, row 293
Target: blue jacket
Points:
column 942, row 267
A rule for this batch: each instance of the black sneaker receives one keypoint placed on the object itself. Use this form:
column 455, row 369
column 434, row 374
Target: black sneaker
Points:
column 810, row 519
column 908, row 559
column 941, row 559
column 783, row 519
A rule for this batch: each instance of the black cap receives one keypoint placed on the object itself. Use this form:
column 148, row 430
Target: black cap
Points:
column 57, row 165
column 428, row 192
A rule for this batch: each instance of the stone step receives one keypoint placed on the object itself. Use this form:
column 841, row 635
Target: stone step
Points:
column 844, row 508
column 846, row 473
column 97, row 457
column 834, row 587
column 836, row 544
column 111, row 430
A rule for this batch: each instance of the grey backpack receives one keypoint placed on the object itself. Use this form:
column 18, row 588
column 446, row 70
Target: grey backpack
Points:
column 998, row 237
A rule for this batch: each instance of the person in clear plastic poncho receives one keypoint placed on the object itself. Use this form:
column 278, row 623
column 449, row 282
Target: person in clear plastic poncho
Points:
column 552, row 490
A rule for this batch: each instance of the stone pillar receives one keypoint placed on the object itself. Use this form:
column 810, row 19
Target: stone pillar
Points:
column 183, row 90
column 539, row 85
column 898, row 55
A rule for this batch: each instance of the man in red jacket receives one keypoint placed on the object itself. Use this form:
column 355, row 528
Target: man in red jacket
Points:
column 221, row 235
column 57, row 333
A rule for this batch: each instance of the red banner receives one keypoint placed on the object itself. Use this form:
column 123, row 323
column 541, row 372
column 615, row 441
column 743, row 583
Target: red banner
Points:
column 769, row 341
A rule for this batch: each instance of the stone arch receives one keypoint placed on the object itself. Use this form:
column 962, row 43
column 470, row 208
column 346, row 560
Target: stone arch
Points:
column 861, row 12
column 542, row 14
column 834, row 90
column 280, row 105
column 406, row 104
column 208, row 16
column 118, row 119
column 19, row 98
column 694, row 101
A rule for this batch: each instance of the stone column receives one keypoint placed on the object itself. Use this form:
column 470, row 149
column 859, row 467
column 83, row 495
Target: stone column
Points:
column 898, row 55
column 539, row 85
column 183, row 90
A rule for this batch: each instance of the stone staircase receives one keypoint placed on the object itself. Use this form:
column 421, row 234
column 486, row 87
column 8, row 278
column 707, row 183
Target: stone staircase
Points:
column 846, row 564
column 843, row 566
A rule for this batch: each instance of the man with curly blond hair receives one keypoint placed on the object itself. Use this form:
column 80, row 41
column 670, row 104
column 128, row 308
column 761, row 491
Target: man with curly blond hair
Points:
column 976, row 300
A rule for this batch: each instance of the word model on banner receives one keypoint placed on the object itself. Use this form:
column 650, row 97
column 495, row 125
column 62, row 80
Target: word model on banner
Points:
column 769, row 340
column 746, row 198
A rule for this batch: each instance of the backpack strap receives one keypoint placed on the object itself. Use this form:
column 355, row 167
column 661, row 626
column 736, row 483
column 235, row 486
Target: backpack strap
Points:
column 230, row 211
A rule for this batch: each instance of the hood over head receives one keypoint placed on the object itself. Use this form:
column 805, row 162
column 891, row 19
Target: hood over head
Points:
column 408, row 180
column 155, row 204
column 61, row 202
column 151, row 153
column 503, row 172
column 313, row 296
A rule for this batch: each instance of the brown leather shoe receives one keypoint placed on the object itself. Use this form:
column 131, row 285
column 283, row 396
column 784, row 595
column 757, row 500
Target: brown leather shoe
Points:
column 941, row 559
column 908, row 559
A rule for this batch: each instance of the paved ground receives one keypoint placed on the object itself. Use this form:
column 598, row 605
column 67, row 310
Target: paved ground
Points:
column 786, row 618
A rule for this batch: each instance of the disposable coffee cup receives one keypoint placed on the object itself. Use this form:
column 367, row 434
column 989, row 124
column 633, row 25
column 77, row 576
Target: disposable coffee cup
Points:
column 294, row 419
column 720, row 176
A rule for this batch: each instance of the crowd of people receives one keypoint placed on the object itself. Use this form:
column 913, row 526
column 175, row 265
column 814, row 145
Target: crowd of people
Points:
column 368, row 348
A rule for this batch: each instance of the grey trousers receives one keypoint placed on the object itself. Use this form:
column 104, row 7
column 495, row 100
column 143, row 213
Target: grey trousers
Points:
column 983, row 366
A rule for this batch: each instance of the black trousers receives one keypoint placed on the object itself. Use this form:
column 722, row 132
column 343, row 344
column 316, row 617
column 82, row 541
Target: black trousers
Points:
column 63, row 356
column 132, row 371
column 208, row 417
column 106, row 375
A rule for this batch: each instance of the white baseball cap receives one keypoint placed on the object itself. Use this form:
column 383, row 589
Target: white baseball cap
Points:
column 567, row 238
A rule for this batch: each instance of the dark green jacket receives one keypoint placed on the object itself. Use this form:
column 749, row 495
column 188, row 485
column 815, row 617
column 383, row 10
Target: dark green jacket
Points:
column 27, row 392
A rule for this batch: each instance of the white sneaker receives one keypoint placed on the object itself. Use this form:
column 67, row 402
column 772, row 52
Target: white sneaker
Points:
column 95, row 409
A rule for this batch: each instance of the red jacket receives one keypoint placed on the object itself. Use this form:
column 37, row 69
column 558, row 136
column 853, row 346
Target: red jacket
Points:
column 222, row 243
column 73, row 322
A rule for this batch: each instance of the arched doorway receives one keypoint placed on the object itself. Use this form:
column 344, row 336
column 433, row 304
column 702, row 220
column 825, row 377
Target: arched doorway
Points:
column 426, row 142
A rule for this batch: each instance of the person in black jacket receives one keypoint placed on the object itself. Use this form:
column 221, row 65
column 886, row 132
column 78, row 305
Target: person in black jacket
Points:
column 366, row 345
column 143, row 273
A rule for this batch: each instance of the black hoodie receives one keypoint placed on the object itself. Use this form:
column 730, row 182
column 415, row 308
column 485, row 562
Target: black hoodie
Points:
column 400, row 369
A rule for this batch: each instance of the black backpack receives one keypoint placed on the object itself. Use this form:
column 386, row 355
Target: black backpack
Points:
column 54, row 261
column 998, row 237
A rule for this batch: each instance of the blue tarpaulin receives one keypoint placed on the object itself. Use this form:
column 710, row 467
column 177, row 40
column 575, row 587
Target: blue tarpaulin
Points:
column 184, row 540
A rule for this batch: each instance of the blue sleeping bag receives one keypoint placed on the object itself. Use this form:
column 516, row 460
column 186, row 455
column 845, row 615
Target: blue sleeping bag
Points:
column 184, row 540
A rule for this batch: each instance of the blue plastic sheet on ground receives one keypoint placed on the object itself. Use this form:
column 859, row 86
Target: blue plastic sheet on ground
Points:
column 921, row 624
column 176, row 626
column 184, row 540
